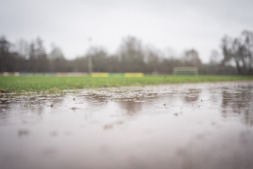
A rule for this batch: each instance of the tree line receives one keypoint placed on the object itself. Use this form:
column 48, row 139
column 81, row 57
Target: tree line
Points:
column 132, row 56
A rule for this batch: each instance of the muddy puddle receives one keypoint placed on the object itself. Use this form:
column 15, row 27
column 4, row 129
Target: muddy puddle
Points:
column 198, row 126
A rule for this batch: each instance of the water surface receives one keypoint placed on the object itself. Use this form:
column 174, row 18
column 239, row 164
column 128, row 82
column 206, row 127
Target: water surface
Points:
column 200, row 126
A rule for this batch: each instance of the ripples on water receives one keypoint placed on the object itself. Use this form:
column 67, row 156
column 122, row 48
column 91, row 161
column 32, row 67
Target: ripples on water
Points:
column 177, row 126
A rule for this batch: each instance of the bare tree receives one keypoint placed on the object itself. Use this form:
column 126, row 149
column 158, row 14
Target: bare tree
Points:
column 100, row 59
column 4, row 53
column 239, row 50
column 214, row 58
column 191, row 58
column 22, row 47
column 57, row 60
column 131, row 55
column 152, row 60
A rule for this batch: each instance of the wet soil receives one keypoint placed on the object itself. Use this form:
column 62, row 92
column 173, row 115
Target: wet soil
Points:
column 198, row 126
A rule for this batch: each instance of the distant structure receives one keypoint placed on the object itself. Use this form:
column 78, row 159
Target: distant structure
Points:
column 185, row 71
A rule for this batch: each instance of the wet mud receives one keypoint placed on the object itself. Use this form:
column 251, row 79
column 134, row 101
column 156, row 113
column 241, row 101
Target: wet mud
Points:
column 198, row 126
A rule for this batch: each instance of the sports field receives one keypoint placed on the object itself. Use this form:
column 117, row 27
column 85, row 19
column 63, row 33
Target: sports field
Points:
column 56, row 83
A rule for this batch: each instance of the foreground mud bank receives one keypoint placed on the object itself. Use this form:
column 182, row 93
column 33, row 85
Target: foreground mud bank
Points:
column 203, row 126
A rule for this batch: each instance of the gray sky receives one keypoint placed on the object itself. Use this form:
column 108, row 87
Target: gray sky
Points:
column 179, row 25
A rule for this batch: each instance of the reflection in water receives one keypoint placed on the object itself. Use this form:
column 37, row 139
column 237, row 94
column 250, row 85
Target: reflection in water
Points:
column 178, row 126
column 192, row 95
column 28, row 109
column 238, row 101
column 96, row 98
column 131, row 107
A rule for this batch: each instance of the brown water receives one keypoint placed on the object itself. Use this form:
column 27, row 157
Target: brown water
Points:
column 198, row 126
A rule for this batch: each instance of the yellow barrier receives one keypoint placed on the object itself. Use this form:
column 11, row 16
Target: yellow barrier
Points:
column 134, row 74
column 99, row 74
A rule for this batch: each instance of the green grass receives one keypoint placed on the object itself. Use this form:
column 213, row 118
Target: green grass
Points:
column 55, row 83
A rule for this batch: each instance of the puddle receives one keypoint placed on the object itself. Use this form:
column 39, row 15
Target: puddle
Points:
column 177, row 126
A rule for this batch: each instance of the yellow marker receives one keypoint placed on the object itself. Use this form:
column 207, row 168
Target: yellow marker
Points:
column 134, row 74
column 99, row 74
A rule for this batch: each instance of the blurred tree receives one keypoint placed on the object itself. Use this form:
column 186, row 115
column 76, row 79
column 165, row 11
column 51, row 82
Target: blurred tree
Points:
column 57, row 61
column 191, row 58
column 79, row 64
column 131, row 55
column 152, row 60
column 22, row 47
column 100, row 59
column 4, row 54
column 38, row 61
column 247, row 51
column 9, row 59
column 114, row 64
column 214, row 58
column 43, row 62
column 239, row 50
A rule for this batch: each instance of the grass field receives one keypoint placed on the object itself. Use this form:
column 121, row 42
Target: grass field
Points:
column 56, row 83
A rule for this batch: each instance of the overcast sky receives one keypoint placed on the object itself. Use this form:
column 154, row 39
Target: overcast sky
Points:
column 179, row 25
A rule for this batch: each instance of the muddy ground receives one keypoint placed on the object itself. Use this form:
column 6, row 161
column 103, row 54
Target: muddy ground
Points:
column 198, row 126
